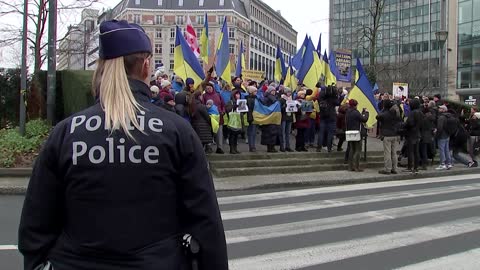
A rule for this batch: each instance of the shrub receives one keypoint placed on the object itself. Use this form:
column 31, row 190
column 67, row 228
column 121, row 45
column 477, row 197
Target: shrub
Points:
column 13, row 145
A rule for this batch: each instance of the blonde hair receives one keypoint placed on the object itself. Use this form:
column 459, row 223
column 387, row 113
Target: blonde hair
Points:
column 110, row 85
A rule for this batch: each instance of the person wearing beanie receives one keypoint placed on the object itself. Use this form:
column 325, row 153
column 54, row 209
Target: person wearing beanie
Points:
column 252, row 128
column 389, row 122
column 166, row 89
column 287, row 121
column 131, row 168
column 355, row 121
column 169, row 103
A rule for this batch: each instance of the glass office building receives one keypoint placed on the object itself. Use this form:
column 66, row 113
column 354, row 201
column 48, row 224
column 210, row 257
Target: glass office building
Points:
column 468, row 61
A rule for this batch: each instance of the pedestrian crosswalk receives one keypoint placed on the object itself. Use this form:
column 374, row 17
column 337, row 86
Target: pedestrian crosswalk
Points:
column 415, row 224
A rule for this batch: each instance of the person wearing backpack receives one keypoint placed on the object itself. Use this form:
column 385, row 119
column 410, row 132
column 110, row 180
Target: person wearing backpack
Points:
column 443, row 133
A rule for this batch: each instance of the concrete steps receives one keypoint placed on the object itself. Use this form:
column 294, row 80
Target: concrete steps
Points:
column 250, row 164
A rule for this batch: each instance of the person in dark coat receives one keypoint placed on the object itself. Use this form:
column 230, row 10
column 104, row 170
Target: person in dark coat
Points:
column 252, row 127
column 287, row 121
column 201, row 121
column 327, row 102
column 427, row 148
column 302, row 124
column 233, row 131
column 341, row 125
column 181, row 105
column 355, row 121
column 388, row 120
column 444, row 138
column 111, row 194
column 270, row 132
column 414, row 127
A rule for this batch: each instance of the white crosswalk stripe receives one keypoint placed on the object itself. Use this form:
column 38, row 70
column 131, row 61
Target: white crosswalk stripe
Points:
column 437, row 197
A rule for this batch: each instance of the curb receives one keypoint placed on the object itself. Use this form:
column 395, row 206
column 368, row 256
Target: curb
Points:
column 365, row 180
column 15, row 172
column 21, row 190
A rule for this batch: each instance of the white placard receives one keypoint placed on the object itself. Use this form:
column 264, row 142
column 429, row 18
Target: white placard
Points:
column 291, row 106
column 242, row 105
column 400, row 90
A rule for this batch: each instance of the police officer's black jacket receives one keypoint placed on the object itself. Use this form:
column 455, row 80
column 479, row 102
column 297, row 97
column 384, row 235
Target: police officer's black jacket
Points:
column 101, row 201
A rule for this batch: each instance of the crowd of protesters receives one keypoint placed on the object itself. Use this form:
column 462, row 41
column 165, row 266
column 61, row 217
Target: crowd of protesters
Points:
column 425, row 126
column 410, row 128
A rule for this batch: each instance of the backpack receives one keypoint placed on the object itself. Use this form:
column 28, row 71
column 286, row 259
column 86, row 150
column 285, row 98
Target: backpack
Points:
column 451, row 125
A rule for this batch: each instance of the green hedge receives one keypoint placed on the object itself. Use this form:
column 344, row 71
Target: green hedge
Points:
column 12, row 145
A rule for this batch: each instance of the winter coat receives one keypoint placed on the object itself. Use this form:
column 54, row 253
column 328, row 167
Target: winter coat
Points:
column 442, row 121
column 286, row 116
column 302, row 118
column 474, row 126
column 342, row 112
column 331, row 101
column 217, row 101
column 181, row 105
column 355, row 120
column 201, row 122
column 388, row 120
column 428, row 125
column 251, row 106
column 414, row 122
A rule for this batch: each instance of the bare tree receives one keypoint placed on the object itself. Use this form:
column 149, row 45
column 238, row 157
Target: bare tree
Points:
column 38, row 18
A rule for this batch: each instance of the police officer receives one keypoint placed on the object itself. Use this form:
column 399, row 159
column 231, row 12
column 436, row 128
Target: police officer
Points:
column 117, row 185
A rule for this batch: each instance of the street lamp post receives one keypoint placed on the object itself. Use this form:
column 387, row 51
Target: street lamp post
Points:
column 442, row 38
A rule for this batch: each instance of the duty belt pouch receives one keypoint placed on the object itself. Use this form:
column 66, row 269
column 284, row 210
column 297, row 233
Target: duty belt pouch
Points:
column 191, row 248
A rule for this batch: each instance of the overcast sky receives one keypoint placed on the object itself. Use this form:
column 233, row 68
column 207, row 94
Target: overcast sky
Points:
column 306, row 16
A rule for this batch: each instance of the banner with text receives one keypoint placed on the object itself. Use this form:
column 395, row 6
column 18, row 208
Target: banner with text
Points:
column 343, row 60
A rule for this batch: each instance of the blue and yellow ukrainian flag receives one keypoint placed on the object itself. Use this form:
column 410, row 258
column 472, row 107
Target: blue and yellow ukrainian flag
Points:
column 310, row 71
column 204, row 46
column 319, row 47
column 222, row 64
column 290, row 80
column 240, row 61
column 267, row 115
column 298, row 58
column 185, row 63
column 280, row 69
column 330, row 77
column 362, row 92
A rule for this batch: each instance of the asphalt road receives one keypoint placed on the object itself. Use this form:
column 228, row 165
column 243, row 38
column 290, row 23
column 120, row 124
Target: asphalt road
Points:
column 417, row 224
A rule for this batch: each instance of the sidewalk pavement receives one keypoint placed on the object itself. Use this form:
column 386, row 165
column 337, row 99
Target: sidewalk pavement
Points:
column 18, row 185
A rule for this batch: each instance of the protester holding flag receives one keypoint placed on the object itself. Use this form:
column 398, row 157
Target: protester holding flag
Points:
column 270, row 131
column 211, row 94
column 355, row 121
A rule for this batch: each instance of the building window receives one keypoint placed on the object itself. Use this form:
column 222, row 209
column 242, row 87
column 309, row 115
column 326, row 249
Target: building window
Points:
column 199, row 32
column 179, row 20
column 158, row 63
column 158, row 33
column 136, row 18
column 231, row 48
column 200, row 19
column 172, row 48
column 222, row 2
column 160, row 2
column 172, row 64
column 231, row 33
column 158, row 19
column 180, row 3
column 137, row 2
column 221, row 19
column 158, row 48
column 200, row 3
column 172, row 32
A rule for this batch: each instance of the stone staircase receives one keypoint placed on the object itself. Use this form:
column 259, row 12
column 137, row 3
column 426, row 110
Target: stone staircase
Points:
column 262, row 163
